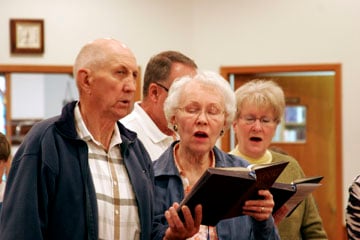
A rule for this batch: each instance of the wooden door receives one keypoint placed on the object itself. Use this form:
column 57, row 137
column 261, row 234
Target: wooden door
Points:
column 320, row 153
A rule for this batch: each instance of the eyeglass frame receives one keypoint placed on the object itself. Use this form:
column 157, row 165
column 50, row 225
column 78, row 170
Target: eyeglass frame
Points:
column 200, row 111
column 162, row 86
column 264, row 121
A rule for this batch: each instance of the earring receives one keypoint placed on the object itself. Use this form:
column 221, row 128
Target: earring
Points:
column 175, row 127
column 222, row 132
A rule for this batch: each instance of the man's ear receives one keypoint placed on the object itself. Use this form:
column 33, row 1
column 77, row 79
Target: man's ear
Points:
column 83, row 80
column 153, row 92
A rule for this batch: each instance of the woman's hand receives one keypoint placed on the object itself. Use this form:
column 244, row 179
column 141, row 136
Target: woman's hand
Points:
column 260, row 209
column 182, row 230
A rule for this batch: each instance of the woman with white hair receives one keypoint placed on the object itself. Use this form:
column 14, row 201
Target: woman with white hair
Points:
column 200, row 108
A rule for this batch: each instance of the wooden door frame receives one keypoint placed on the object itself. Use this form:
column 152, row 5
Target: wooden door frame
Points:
column 225, row 71
column 7, row 70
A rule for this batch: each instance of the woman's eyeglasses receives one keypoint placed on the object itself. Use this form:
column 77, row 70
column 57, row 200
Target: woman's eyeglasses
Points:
column 212, row 112
column 264, row 121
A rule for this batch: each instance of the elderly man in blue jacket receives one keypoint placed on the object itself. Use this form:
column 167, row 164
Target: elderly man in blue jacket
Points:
column 83, row 175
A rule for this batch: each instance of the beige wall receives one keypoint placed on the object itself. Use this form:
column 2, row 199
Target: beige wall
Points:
column 215, row 33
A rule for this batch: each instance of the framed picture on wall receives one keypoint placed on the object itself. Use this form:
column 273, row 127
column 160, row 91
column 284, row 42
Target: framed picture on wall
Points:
column 27, row 35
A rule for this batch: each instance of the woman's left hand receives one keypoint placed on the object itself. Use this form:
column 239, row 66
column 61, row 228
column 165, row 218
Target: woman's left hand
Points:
column 260, row 209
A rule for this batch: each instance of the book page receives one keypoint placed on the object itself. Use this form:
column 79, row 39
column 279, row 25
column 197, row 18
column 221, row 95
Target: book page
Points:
column 244, row 169
column 254, row 167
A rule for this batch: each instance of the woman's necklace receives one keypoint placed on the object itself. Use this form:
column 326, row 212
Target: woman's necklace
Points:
column 189, row 178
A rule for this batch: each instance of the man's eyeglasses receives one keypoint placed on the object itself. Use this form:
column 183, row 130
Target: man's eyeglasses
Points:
column 212, row 112
column 162, row 86
column 264, row 121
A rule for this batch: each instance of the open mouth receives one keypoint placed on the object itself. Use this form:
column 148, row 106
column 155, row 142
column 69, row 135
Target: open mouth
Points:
column 256, row 139
column 125, row 101
column 200, row 134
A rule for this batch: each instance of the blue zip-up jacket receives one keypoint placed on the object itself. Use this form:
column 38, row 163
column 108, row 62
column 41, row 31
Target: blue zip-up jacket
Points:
column 169, row 189
column 50, row 193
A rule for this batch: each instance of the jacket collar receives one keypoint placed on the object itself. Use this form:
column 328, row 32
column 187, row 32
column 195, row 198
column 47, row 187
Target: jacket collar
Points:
column 66, row 125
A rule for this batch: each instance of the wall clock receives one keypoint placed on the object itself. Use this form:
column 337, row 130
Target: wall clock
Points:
column 27, row 35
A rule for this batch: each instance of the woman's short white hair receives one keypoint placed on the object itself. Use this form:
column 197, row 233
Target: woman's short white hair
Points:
column 172, row 102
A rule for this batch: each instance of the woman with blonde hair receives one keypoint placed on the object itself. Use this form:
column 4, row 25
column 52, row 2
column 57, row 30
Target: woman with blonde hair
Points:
column 260, row 107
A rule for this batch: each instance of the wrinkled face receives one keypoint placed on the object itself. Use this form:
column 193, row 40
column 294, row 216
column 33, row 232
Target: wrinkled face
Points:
column 200, row 117
column 254, row 130
column 113, row 85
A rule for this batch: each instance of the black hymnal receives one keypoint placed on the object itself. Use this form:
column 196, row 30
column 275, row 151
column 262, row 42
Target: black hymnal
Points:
column 222, row 192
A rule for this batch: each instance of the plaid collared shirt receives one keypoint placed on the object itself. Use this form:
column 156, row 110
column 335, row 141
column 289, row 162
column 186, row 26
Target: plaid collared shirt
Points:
column 117, row 207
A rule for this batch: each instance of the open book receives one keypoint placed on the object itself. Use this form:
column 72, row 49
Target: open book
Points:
column 288, row 196
column 222, row 192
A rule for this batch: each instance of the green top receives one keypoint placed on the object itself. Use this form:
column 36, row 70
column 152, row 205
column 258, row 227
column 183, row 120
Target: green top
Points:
column 305, row 222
